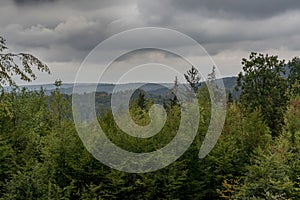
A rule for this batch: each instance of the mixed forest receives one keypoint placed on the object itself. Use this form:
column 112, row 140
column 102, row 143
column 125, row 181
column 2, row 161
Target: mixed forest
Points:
column 256, row 157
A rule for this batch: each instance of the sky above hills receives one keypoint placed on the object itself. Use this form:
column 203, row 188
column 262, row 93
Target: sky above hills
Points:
column 62, row 32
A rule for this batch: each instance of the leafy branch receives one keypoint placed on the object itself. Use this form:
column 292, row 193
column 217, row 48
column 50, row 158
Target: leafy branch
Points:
column 18, row 64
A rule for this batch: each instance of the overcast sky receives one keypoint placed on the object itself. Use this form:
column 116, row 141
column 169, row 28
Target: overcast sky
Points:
column 62, row 32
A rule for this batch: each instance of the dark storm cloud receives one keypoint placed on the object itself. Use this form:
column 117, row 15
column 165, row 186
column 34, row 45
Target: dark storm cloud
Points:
column 238, row 8
column 80, row 25
column 30, row 2
column 62, row 30
column 220, row 24
column 67, row 30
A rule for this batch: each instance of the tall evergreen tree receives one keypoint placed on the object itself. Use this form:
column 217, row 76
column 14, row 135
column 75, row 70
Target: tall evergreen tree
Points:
column 193, row 78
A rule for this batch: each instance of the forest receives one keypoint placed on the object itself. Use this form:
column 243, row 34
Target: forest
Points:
column 256, row 157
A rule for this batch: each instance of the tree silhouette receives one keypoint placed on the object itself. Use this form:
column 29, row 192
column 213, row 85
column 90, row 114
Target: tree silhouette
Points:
column 193, row 78
column 18, row 64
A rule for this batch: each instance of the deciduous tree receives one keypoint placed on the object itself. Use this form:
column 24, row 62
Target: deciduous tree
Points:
column 263, row 86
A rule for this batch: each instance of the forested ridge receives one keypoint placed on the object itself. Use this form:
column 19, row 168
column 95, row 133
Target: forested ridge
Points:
column 256, row 157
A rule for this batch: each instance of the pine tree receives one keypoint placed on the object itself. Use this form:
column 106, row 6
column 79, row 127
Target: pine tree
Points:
column 193, row 78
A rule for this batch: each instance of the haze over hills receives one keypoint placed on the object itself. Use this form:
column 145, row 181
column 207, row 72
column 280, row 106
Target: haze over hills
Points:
column 153, row 88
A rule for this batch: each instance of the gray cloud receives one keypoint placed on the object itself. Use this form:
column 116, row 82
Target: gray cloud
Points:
column 238, row 8
column 30, row 2
column 222, row 24
column 64, row 31
column 59, row 29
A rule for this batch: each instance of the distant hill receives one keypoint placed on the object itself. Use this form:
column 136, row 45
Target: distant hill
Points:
column 159, row 92
column 229, row 83
column 152, row 88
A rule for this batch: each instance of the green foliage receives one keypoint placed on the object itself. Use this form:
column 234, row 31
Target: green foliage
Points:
column 292, row 127
column 6, row 163
column 232, row 155
column 263, row 86
column 193, row 78
column 139, row 109
column 229, row 97
column 18, row 64
column 294, row 75
column 268, row 176
column 292, row 118
column 42, row 157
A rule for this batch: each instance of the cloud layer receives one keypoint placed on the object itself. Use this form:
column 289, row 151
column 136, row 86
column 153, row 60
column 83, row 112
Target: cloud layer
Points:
column 63, row 32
